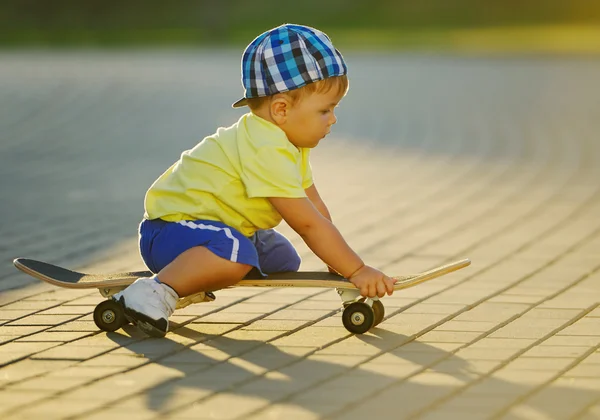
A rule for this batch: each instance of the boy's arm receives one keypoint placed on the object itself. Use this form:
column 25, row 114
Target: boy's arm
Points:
column 321, row 236
column 315, row 198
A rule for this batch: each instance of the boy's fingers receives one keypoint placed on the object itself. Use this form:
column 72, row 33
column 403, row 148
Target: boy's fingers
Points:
column 381, row 289
column 372, row 290
column 389, row 285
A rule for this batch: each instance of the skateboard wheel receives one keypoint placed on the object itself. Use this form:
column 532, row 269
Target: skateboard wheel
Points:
column 379, row 312
column 109, row 316
column 358, row 318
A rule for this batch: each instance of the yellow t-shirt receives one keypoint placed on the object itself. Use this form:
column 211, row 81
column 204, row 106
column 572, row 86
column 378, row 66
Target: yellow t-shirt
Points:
column 228, row 176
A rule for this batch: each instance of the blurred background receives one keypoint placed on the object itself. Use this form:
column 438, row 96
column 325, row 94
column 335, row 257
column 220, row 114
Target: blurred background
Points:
column 99, row 97
column 563, row 26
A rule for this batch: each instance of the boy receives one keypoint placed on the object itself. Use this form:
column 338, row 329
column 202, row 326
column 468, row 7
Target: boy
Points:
column 209, row 218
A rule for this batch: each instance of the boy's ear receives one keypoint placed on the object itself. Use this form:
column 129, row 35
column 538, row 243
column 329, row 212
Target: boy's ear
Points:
column 280, row 107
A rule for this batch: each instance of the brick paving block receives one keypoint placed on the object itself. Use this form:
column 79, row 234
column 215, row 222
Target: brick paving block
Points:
column 224, row 406
column 432, row 378
column 59, row 409
column 399, row 401
column 11, row 400
column 513, row 298
column 33, row 305
column 71, row 352
column 291, row 411
column 216, row 378
column 444, row 413
column 461, row 337
column 274, row 357
column 312, row 337
column 300, row 314
column 28, row 368
column 62, row 337
column 21, row 331
column 376, row 371
column 222, row 317
column 104, row 340
column 115, row 360
column 79, row 371
column 151, row 347
column 594, row 314
column 592, row 413
column 76, row 326
column 91, row 300
column 44, row 320
column 273, row 385
column 584, row 370
column 332, row 321
column 423, row 359
column 25, row 348
column 468, row 368
column 558, row 402
column 492, row 312
column 347, row 361
column 593, row 358
column 553, row 364
column 323, row 305
column 205, row 357
column 491, row 386
column 466, row 326
column 434, row 308
column 201, row 331
column 68, row 310
column 47, row 383
column 225, row 346
column 469, row 353
column 164, row 398
column 328, row 398
column 274, row 325
column 195, row 310
column 522, row 330
column 543, row 313
column 12, row 314
column 116, row 411
column 404, row 318
column 585, row 326
column 556, row 351
column 570, row 340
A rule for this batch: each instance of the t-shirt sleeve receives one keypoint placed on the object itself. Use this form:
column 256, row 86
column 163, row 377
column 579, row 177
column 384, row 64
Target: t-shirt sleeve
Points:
column 273, row 172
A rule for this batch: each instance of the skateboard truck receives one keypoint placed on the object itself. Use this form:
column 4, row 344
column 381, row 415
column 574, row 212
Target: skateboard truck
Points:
column 360, row 314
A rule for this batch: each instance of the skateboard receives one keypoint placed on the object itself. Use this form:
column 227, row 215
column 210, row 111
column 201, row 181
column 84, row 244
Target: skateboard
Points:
column 359, row 314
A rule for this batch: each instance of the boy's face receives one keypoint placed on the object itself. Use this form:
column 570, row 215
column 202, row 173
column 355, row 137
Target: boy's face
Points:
column 310, row 119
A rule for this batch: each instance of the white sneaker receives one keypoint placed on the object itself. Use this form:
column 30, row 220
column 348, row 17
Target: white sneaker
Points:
column 148, row 304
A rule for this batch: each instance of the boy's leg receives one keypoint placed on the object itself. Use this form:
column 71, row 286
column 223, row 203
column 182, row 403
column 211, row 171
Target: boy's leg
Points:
column 199, row 270
column 275, row 252
column 189, row 257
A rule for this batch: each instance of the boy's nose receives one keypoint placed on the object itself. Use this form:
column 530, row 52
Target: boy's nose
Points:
column 333, row 119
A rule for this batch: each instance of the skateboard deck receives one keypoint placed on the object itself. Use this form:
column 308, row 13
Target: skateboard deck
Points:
column 359, row 314
column 63, row 277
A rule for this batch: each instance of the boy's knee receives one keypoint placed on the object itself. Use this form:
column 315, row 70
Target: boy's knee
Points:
column 294, row 261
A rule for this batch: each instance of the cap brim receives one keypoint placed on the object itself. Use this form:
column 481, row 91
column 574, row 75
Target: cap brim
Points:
column 242, row 102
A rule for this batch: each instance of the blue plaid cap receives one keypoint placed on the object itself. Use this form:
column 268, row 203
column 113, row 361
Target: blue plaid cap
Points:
column 286, row 58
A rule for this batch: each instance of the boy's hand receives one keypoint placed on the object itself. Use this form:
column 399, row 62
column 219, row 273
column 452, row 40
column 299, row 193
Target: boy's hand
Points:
column 372, row 282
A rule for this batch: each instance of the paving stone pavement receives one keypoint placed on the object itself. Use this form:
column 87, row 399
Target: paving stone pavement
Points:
column 434, row 158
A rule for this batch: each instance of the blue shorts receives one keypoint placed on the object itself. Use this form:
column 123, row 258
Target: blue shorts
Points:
column 267, row 250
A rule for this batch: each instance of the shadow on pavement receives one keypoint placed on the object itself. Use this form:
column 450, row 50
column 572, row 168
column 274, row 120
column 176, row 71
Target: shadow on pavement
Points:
column 253, row 368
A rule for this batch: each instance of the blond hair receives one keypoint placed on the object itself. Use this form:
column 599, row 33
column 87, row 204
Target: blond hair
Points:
column 338, row 83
